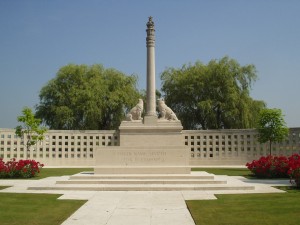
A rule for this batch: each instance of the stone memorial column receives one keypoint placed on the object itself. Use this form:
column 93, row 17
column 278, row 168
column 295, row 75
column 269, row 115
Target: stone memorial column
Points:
column 151, row 146
column 151, row 116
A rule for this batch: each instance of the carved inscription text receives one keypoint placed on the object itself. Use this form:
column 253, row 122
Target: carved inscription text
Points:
column 142, row 156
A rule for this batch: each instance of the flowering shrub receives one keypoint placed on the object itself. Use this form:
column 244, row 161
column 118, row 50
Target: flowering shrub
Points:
column 294, row 170
column 270, row 167
column 19, row 169
column 277, row 166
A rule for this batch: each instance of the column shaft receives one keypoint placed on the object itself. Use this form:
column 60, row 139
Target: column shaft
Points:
column 151, row 96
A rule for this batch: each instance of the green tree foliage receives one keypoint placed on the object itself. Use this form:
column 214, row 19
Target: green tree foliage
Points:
column 212, row 96
column 87, row 98
column 271, row 127
column 30, row 130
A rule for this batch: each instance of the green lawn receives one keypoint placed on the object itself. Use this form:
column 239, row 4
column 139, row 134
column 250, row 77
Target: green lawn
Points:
column 54, row 172
column 227, row 171
column 38, row 209
column 35, row 209
column 248, row 209
column 3, row 187
column 232, row 172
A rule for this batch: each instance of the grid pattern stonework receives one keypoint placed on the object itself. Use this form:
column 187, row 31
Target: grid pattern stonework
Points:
column 77, row 148
column 59, row 147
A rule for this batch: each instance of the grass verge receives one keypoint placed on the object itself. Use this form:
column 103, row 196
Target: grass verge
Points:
column 234, row 172
column 42, row 209
column 227, row 171
column 3, row 187
column 248, row 209
column 54, row 172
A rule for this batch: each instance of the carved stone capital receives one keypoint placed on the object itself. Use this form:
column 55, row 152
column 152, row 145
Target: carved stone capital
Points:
column 150, row 40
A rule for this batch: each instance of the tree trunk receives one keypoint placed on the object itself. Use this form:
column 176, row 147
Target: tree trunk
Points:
column 27, row 150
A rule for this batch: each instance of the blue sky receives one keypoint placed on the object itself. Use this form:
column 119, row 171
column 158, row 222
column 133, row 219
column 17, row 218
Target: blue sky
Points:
column 37, row 37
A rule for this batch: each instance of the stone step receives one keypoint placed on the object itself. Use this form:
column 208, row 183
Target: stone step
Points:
column 91, row 176
column 202, row 181
column 138, row 169
column 152, row 187
column 141, row 181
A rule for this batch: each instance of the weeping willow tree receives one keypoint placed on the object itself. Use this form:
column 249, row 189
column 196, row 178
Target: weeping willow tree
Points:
column 86, row 98
column 212, row 96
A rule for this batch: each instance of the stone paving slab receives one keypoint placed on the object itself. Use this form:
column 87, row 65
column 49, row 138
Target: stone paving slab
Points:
column 124, row 207
column 137, row 207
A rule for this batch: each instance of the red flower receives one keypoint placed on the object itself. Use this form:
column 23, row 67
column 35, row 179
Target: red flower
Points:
column 270, row 166
column 22, row 168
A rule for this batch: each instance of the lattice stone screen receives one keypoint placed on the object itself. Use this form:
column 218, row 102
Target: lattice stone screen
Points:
column 234, row 146
column 208, row 147
column 60, row 147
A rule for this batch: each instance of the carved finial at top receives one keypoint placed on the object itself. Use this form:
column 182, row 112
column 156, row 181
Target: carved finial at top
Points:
column 150, row 23
column 150, row 33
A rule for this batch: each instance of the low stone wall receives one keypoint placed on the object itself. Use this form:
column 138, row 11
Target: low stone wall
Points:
column 60, row 147
column 234, row 147
column 208, row 147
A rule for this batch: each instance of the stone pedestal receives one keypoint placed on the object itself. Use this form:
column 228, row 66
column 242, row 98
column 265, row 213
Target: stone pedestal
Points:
column 160, row 133
column 142, row 160
column 145, row 149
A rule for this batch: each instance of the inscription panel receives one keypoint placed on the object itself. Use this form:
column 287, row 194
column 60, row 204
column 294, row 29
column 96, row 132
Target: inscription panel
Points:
column 118, row 156
column 129, row 157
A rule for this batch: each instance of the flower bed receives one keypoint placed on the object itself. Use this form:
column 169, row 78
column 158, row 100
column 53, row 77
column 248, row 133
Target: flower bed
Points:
column 277, row 167
column 269, row 167
column 19, row 169
column 294, row 170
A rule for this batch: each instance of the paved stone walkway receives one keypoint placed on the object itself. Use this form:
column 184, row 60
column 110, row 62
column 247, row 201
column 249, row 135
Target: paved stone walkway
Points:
column 136, row 207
